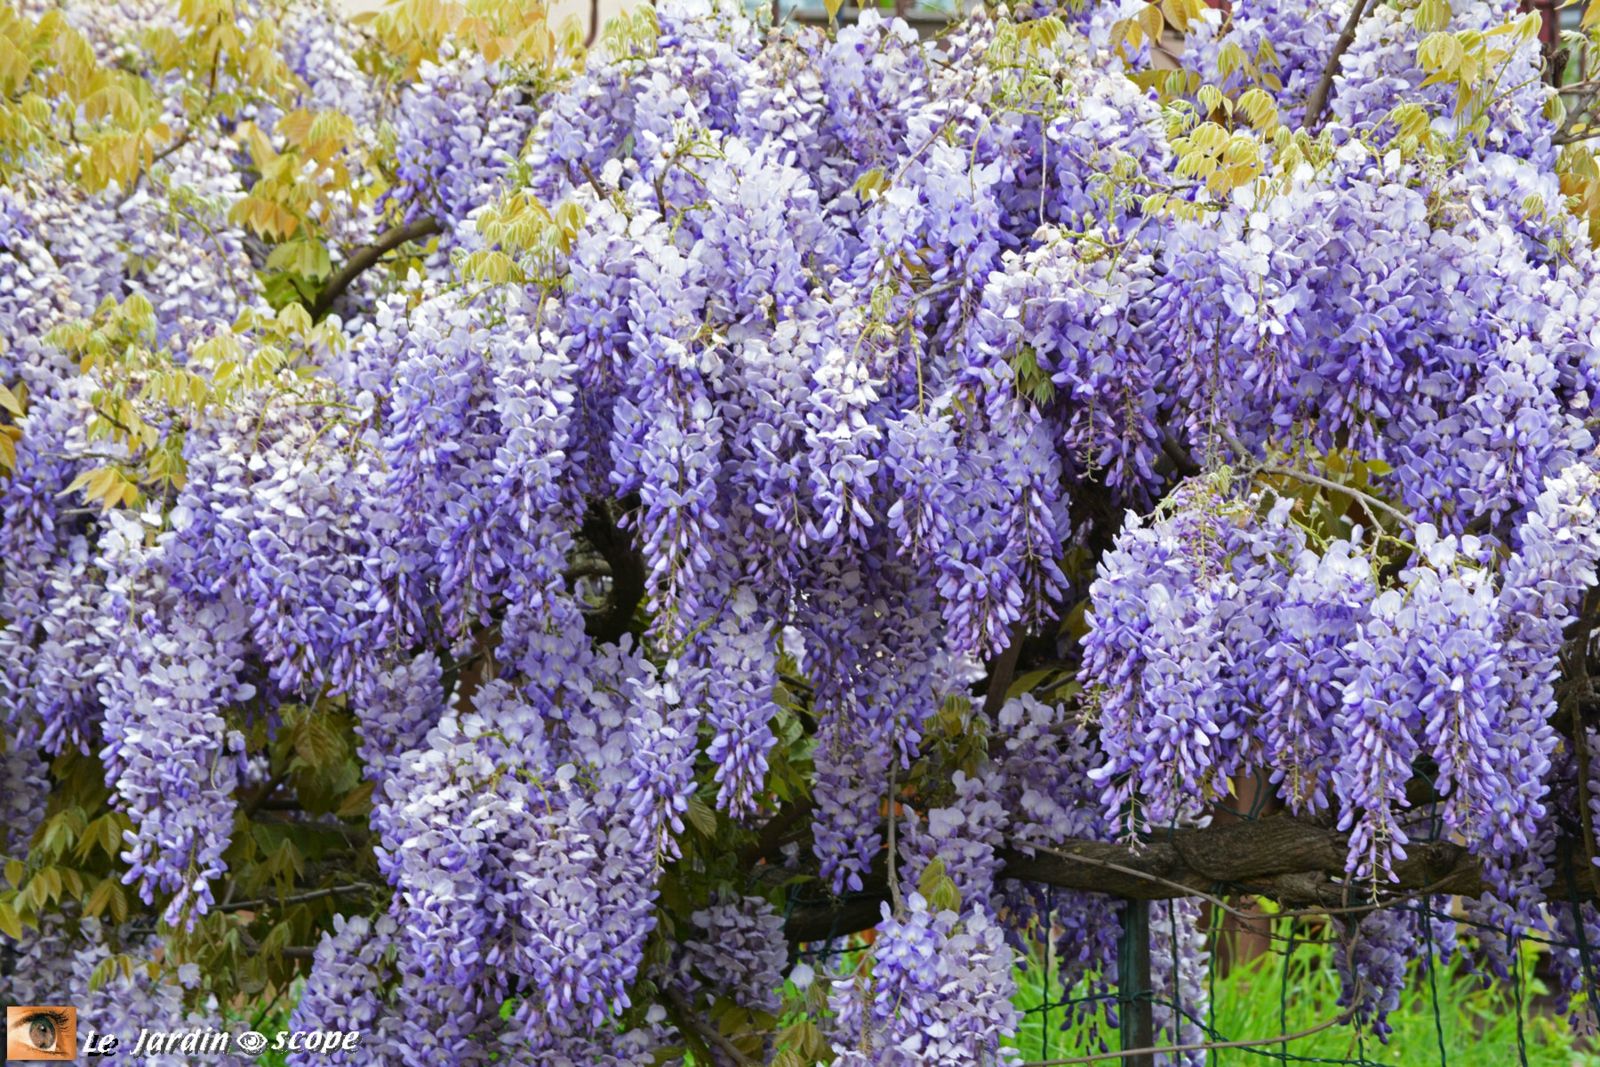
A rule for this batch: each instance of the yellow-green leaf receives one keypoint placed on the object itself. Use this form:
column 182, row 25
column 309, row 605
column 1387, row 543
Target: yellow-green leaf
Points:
column 10, row 922
column 702, row 817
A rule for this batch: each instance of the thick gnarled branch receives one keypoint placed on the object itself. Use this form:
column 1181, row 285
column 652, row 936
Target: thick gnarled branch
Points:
column 615, row 544
column 364, row 258
column 1283, row 857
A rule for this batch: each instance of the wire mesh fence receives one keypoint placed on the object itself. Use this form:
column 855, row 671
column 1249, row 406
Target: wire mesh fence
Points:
column 1286, row 1005
column 1272, row 989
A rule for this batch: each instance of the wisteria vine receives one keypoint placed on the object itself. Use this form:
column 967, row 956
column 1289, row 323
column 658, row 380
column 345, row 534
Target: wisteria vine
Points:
column 741, row 466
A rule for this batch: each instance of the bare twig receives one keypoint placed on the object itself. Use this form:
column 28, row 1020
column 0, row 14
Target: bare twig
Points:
column 1373, row 502
column 1568, row 136
column 1200, row 1046
column 894, row 847
column 289, row 952
column 1339, row 487
column 594, row 182
column 687, row 1016
column 1134, row 872
column 298, row 898
column 1318, row 100
column 1582, row 95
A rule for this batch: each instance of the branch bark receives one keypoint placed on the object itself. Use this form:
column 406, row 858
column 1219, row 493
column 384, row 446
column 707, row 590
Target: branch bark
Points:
column 686, row 1017
column 1283, row 857
column 296, row 898
column 1003, row 671
column 1318, row 100
column 615, row 545
column 1179, row 456
column 364, row 258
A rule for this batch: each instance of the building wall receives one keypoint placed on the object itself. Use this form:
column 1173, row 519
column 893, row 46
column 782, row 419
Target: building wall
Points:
column 559, row 9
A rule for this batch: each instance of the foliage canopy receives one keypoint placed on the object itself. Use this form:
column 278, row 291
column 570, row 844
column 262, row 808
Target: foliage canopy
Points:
column 523, row 536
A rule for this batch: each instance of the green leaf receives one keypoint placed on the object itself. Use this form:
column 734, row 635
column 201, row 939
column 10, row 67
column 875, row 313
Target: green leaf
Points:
column 103, row 972
column 1031, row 380
column 280, row 937
column 802, row 1040
column 570, row 216
column 930, row 876
column 304, row 256
column 1231, row 59
column 1026, row 682
column 873, row 181
column 104, row 833
column 317, row 745
column 61, row 833
column 1431, row 15
column 10, row 922
column 101, row 899
column 701, row 817
column 139, row 313
column 283, row 289
column 945, row 896
column 937, row 888
column 120, row 963
column 357, row 802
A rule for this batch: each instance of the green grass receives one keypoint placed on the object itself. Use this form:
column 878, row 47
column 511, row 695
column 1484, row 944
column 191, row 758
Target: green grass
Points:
column 1475, row 1026
column 1478, row 1025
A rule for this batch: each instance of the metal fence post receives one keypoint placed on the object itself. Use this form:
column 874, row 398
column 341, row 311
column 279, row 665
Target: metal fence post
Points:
column 1135, row 1004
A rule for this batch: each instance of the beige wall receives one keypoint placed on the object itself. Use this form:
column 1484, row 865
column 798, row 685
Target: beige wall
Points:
column 559, row 9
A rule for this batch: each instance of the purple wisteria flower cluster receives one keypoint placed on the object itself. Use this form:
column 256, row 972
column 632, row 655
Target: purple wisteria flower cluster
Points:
column 794, row 465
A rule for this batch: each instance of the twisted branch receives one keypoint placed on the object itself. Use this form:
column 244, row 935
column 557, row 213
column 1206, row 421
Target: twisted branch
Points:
column 364, row 258
column 1282, row 857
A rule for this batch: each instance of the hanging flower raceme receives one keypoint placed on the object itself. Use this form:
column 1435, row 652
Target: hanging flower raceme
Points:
column 807, row 464
column 1159, row 664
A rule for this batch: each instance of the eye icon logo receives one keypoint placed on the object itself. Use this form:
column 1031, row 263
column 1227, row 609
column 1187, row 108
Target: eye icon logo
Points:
column 41, row 1033
column 251, row 1042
